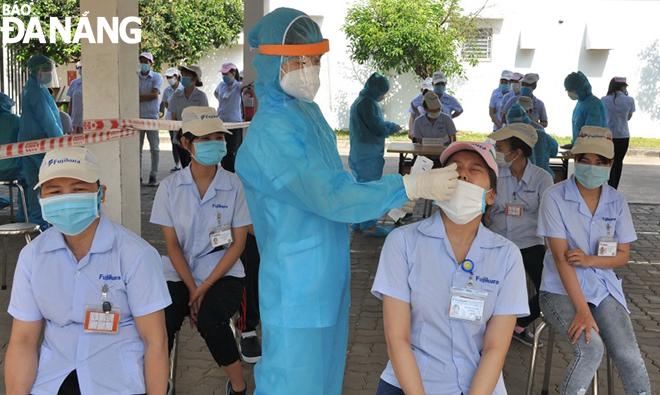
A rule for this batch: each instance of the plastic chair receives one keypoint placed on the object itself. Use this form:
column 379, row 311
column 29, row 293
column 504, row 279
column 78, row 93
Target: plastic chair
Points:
column 15, row 229
column 548, row 363
column 10, row 185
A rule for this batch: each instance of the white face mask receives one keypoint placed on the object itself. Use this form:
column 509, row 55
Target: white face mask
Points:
column 500, row 159
column 302, row 83
column 171, row 81
column 573, row 95
column 516, row 87
column 466, row 204
column 434, row 114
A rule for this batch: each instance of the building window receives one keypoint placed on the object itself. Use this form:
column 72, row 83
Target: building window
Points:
column 480, row 46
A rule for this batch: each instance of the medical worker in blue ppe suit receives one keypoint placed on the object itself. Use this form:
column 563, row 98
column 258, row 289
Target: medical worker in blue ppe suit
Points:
column 368, row 132
column 589, row 110
column 301, row 201
column 40, row 119
column 10, row 169
column 545, row 148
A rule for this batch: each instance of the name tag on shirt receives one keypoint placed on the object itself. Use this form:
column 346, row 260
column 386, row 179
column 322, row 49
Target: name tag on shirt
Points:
column 607, row 246
column 99, row 321
column 467, row 305
column 514, row 209
column 221, row 236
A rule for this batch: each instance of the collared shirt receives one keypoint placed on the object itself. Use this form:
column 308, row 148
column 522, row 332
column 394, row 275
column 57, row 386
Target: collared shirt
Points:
column 450, row 104
column 496, row 103
column 417, row 266
column 75, row 93
column 178, row 101
column 618, row 112
column 178, row 205
column 229, row 102
column 527, row 192
column 442, row 128
column 417, row 102
column 167, row 95
column 149, row 109
column 565, row 215
column 538, row 113
column 51, row 284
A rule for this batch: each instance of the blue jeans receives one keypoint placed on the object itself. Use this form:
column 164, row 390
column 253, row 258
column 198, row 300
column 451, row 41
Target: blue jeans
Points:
column 154, row 149
column 616, row 332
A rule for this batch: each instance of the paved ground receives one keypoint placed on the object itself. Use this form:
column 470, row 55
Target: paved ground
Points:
column 367, row 353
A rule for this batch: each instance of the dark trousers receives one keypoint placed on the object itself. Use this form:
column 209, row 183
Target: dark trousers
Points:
column 249, row 310
column 220, row 303
column 234, row 142
column 175, row 151
column 533, row 261
column 70, row 385
column 620, row 149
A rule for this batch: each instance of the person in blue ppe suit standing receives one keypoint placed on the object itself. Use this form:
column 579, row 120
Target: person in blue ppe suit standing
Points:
column 10, row 124
column 301, row 201
column 40, row 119
column 368, row 132
column 545, row 148
column 589, row 110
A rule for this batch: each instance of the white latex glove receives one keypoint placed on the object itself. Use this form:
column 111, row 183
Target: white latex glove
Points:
column 435, row 184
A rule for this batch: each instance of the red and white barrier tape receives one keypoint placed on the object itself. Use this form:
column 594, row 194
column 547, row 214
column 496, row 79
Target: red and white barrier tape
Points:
column 96, row 131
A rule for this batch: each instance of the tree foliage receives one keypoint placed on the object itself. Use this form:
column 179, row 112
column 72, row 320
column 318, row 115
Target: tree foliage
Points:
column 174, row 31
column 418, row 36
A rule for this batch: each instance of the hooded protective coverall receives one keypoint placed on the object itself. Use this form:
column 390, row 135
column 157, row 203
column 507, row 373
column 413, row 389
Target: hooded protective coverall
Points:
column 301, row 201
column 368, row 132
column 589, row 110
column 40, row 119
column 546, row 147
column 9, row 127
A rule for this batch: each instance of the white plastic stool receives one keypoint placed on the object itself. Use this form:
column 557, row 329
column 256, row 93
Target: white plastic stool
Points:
column 548, row 363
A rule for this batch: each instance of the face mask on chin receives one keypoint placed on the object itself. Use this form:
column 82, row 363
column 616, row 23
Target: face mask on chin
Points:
column 303, row 83
column 467, row 203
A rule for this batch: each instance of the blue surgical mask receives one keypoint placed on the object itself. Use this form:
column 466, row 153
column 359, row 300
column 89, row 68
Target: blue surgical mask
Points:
column 592, row 176
column 210, row 153
column 80, row 71
column 227, row 79
column 144, row 67
column 526, row 91
column 73, row 212
column 439, row 89
column 185, row 81
column 504, row 88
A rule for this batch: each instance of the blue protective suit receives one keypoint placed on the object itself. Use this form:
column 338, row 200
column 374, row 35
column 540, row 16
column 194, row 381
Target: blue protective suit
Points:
column 10, row 169
column 589, row 109
column 301, row 201
column 545, row 148
column 40, row 119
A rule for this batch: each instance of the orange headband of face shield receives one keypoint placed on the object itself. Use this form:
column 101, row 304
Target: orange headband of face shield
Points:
column 296, row 50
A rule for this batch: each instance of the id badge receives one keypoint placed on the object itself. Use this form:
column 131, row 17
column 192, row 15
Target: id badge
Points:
column 607, row 246
column 221, row 236
column 467, row 305
column 101, row 319
column 514, row 209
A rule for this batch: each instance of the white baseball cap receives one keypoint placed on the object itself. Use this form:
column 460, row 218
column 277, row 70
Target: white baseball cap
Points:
column 523, row 131
column 506, row 75
column 428, row 83
column 172, row 71
column 594, row 140
column 432, row 101
column 201, row 121
column 71, row 162
column 439, row 76
column 526, row 102
column 530, row 78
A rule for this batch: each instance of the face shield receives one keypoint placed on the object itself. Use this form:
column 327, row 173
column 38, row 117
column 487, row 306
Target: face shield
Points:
column 43, row 70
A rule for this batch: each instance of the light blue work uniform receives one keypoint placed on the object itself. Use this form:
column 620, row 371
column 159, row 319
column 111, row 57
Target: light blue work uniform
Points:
column 40, row 119
column 526, row 192
column 496, row 103
column 617, row 113
column 149, row 109
column 51, row 284
column 589, row 110
column 178, row 205
column 450, row 104
column 442, row 128
column 565, row 215
column 167, row 95
column 505, row 99
column 539, row 114
column 418, row 103
column 75, row 92
column 301, row 201
column 178, row 101
column 229, row 102
column 417, row 266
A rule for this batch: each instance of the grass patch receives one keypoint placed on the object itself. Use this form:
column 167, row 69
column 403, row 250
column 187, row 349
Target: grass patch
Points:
column 635, row 142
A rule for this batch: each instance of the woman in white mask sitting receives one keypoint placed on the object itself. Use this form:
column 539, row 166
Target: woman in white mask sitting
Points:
column 451, row 289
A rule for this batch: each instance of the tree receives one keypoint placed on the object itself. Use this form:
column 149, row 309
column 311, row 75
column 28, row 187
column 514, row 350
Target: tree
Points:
column 174, row 31
column 418, row 36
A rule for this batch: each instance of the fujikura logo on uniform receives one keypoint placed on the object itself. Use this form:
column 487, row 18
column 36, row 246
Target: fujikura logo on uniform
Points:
column 14, row 29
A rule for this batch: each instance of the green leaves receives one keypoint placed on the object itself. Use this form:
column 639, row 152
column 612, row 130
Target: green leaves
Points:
column 419, row 36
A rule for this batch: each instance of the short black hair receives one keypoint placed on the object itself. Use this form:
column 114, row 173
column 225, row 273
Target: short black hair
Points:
column 517, row 144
